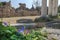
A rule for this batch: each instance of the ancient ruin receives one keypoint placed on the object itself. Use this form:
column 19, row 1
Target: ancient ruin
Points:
column 44, row 8
column 7, row 11
column 52, row 9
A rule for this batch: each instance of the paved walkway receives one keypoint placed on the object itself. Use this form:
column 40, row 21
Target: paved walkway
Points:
column 53, row 33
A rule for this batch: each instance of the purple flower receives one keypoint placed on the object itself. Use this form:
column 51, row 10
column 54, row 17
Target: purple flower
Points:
column 5, row 23
column 22, row 29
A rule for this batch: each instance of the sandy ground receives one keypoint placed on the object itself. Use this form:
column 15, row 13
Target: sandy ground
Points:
column 12, row 20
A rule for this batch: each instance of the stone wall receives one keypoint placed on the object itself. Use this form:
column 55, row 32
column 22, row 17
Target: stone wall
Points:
column 7, row 11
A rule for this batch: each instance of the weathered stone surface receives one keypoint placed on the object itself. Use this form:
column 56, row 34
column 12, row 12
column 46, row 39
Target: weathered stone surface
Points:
column 44, row 8
column 50, row 7
column 7, row 11
column 53, row 7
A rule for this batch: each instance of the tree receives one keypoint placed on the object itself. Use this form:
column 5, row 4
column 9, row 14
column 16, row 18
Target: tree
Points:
column 37, row 4
column 1, row 3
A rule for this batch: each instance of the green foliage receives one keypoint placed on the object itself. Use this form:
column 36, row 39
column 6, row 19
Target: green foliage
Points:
column 59, row 9
column 36, row 35
column 10, row 33
column 1, row 4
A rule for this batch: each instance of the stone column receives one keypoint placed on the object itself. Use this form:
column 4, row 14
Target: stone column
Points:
column 55, row 8
column 50, row 7
column 44, row 8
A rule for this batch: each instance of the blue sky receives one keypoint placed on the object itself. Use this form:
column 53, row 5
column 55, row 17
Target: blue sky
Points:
column 28, row 2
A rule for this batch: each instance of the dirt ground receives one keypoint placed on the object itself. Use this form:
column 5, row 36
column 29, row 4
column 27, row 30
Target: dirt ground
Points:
column 12, row 20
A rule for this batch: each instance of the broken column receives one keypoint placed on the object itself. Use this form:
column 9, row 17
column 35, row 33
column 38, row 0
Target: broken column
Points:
column 50, row 7
column 55, row 8
column 44, row 8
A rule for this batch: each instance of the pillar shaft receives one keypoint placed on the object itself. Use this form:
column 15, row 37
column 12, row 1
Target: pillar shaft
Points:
column 44, row 8
column 50, row 7
column 55, row 8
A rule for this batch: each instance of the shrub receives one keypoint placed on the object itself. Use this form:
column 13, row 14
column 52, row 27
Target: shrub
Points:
column 53, row 16
column 36, row 35
column 10, row 33
column 43, row 19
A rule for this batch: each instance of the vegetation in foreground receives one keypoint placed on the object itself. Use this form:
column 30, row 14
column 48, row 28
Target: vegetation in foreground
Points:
column 8, row 32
